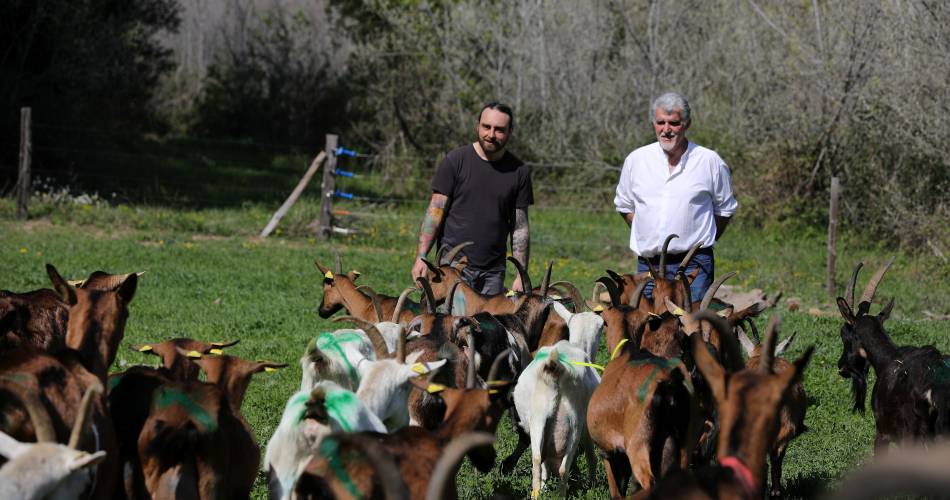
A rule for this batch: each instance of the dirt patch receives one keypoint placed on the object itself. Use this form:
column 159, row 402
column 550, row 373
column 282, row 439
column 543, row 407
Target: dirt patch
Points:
column 35, row 225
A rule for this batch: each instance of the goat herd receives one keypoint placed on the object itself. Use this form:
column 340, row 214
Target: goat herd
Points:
column 389, row 409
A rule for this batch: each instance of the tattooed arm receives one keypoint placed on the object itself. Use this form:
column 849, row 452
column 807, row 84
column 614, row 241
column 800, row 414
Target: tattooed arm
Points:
column 431, row 224
column 520, row 243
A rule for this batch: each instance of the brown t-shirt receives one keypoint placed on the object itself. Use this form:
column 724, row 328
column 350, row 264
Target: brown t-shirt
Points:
column 483, row 196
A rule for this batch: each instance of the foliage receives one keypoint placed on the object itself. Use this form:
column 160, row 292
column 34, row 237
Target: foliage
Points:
column 90, row 64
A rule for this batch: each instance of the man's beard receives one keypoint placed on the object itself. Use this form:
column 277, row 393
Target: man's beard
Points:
column 490, row 147
column 669, row 146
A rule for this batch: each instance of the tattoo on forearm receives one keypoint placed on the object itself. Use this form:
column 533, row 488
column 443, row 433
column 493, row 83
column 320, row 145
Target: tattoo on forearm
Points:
column 520, row 239
column 430, row 224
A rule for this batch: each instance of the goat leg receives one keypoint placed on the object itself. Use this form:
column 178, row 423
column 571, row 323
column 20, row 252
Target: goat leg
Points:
column 524, row 441
column 776, row 457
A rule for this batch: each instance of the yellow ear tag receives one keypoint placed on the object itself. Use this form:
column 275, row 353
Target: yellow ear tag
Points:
column 435, row 388
column 510, row 293
column 328, row 275
column 678, row 312
column 598, row 308
column 75, row 283
column 357, row 273
column 194, row 354
column 145, row 348
column 654, row 315
column 216, row 351
column 555, row 297
column 269, row 369
column 492, row 391
column 419, row 368
column 722, row 314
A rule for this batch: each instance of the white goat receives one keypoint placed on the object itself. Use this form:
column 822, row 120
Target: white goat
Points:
column 551, row 398
column 335, row 356
column 297, row 437
column 48, row 470
column 584, row 328
column 384, row 387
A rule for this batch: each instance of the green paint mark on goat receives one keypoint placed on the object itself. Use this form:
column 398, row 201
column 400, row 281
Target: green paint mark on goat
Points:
column 334, row 342
column 658, row 365
column 561, row 357
column 339, row 405
column 330, row 450
column 167, row 396
column 298, row 405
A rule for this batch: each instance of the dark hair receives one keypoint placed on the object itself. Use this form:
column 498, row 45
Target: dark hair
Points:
column 504, row 108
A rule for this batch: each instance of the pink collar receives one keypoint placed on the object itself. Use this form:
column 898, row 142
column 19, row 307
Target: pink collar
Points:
column 742, row 473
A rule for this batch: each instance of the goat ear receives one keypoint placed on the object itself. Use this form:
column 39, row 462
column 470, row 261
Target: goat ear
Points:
column 268, row 366
column 498, row 390
column 561, row 311
column 711, row 369
column 747, row 345
column 886, row 312
column 66, row 291
column 127, row 289
column 783, row 345
column 845, row 310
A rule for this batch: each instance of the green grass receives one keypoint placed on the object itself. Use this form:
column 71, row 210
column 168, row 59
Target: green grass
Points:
column 210, row 278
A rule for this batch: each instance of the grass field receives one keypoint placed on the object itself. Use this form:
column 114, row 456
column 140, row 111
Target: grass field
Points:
column 210, row 278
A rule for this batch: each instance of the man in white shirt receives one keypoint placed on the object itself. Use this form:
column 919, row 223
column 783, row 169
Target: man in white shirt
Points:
column 674, row 186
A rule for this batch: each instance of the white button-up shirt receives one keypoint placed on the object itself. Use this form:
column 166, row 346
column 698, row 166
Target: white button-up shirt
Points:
column 682, row 202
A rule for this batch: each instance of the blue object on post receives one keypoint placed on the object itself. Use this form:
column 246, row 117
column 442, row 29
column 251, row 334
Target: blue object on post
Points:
column 341, row 151
column 341, row 194
column 343, row 173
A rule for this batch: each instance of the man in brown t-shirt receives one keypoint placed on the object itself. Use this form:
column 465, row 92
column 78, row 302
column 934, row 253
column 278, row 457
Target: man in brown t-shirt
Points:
column 481, row 193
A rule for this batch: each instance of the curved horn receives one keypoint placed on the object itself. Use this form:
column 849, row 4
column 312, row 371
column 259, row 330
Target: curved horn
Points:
column 430, row 265
column 711, row 292
column 470, row 373
column 427, row 290
column 869, row 290
column 768, row 347
column 637, row 295
column 450, row 298
column 377, row 305
column 496, row 364
column 653, row 274
column 339, row 265
column 42, row 424
column 687, row 291
column 546, row 282
column 666, row 246
column 849, row 293
column 400, row 302
column 689, row 256
column 754, row 329
column 83, row 415
column 448, row 463
column 401, row 346
column 611, row 290
column 376, row 338
column 450, row 255
column 732, row 357
column 616, row 277
column 525, row 279
column 573, row 293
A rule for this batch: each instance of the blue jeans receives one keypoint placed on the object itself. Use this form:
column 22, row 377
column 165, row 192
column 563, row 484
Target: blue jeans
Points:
column 702, row 259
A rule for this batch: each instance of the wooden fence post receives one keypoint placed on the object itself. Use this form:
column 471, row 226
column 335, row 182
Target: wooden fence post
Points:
column 832, row 239
column 294, row 195
column 23, row 185
column 328, row 187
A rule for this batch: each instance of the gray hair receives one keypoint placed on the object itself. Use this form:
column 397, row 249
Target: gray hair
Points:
column 671, row 102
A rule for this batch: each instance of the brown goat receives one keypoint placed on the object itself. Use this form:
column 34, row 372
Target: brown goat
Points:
column 95, row 328
column 792, row 417
column 416, row 451
column 233, row 374
column 39, row 318
column 641, row 416
column 749, row 402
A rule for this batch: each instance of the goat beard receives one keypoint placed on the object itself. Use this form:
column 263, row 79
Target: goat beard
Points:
column 859, row 390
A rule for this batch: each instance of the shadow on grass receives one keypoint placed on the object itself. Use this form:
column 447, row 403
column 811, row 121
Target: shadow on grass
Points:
column 806, row 487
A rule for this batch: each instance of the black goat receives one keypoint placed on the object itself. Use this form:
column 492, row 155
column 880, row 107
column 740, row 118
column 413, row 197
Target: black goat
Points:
column 911, row 395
